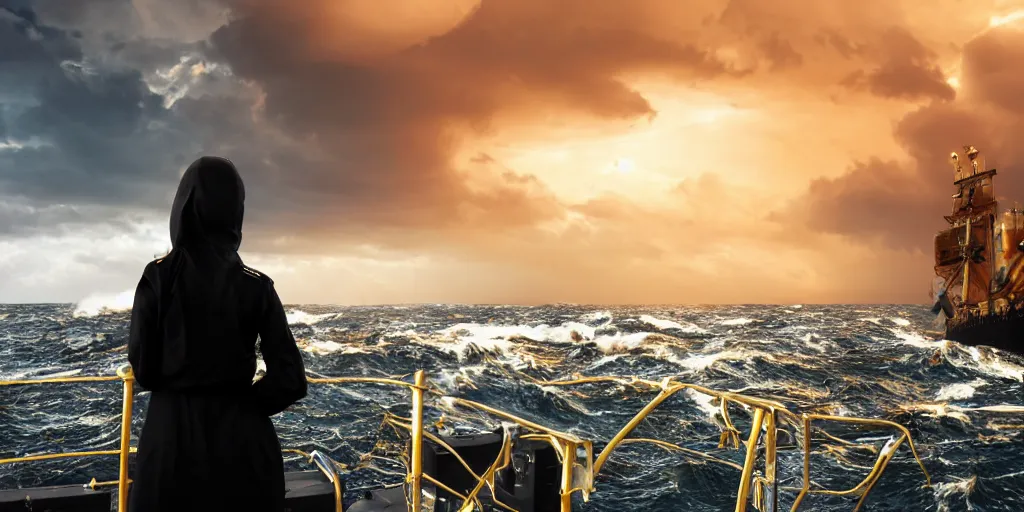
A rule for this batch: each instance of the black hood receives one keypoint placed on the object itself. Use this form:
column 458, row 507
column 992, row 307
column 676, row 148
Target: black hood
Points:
column 208, row 207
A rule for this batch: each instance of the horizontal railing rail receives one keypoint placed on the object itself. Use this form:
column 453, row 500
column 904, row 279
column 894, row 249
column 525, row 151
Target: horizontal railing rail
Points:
column 576, row 475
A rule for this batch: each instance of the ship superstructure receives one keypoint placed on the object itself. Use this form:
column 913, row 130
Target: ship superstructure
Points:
column 979, row 260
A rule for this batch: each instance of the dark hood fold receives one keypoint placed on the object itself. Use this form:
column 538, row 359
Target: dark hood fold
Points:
column 206, row 232
column 208, row 207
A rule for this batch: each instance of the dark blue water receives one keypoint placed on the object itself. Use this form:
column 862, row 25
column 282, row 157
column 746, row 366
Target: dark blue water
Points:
column 869, row 361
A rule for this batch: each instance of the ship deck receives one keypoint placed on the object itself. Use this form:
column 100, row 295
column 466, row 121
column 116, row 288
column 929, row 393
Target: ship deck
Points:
column 524, row 466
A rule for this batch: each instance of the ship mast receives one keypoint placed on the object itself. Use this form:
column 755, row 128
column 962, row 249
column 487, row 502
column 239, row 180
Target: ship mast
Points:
column 973, row 204
column 967, row 265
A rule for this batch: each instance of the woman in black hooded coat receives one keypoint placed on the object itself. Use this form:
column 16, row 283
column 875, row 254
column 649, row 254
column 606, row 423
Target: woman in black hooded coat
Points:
column 208, row 442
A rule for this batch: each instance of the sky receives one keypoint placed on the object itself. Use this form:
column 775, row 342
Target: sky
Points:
column 508, row 151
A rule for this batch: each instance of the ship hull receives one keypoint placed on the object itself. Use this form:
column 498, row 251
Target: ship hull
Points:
column 1004, row 332
column 305, row 491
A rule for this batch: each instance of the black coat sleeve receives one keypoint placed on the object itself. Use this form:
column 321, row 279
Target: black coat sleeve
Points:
column 144, row 346
column 285, row 380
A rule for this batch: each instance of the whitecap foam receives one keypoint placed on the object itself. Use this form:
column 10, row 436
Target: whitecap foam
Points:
column 616, row 343
column 563, row 394
column 669, row 324
column 332, row 347
column 994, row 365
column 917, row 340
column 58, row 375
column 940, row 411
column 808, row 340
column 959, row 390
column 552, row 334
column 902, row 322
column 96, row 420
column 300, row 317
column 736, row 321
column 603, row 360
column 605, row 317
column 459, row 340
column 705, row 403
column 450, row 379
column 31, row 373
column 945, row 491
column 1007, row 409
column 101, row 303
column 701, row 362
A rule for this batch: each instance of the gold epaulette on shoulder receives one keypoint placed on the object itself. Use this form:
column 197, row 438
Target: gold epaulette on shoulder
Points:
column 252, row 272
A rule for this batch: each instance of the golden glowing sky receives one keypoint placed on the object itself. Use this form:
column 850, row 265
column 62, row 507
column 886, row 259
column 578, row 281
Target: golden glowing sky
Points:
column 537, row 151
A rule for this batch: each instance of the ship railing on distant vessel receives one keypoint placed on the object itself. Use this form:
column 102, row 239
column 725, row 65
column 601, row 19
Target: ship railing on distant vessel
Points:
column 576, row 455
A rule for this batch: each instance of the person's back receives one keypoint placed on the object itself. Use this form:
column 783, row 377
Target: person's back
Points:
column 208, row 442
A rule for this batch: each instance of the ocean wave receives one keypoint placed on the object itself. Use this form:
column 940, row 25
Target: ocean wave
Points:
column 325, row 347
column 615, row 343
column 960, row 390
column 961, row 404
column 959, row 489
column 104, row 303
column 669, row 324
column 300, row 317
column 732, row 322
column 554, row 334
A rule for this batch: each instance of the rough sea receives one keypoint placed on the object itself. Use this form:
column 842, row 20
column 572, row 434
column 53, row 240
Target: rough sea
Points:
column 961, row 404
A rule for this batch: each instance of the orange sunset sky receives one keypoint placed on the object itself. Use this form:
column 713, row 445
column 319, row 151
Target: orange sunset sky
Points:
column 508, row 151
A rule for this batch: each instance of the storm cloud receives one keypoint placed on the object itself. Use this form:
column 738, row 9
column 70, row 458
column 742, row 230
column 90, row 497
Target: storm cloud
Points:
column 638, row 151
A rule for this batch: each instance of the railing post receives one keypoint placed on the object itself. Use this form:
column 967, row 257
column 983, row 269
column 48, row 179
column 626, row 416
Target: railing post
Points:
column 568, row 459
column 749, row 462
column 125, row 372
column 416, row 469
column 806, row 487
column 771, row 461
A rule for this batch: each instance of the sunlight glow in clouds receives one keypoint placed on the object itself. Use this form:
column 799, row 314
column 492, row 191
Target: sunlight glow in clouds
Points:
column 508, row 150
column 996, row 21
column 623, row 165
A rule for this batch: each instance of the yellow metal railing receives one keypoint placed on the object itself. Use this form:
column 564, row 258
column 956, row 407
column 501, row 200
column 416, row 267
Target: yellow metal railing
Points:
column 124, row 374
column 766, row 416
column 576, row 475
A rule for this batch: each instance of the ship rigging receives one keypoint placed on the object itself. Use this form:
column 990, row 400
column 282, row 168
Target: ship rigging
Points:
column 979, row 259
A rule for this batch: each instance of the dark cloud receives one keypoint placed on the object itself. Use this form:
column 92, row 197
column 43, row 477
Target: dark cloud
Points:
column 30, row 53
column 346, row 137
column 323, row 131
column 328, row 136
column 17, row 218
column 104, row 23
column 80, row 132
column 780, row 53
column 875, row 199
column 907, row 70
column 22, row 217
column 904, row 204
column 991, row 73
column 347, row 143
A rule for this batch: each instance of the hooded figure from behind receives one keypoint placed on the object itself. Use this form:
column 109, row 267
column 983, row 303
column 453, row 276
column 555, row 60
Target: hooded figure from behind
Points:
column 208, row 442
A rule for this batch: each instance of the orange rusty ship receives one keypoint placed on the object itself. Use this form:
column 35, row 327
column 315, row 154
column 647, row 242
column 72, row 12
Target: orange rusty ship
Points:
column 979, row 261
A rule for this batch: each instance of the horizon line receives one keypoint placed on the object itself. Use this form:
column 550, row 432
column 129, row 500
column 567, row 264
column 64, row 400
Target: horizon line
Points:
column 543, row 304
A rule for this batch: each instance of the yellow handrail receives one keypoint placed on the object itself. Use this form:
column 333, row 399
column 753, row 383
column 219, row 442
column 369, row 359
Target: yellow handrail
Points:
column 416, row 465
column 766, row 413
column 126, row 374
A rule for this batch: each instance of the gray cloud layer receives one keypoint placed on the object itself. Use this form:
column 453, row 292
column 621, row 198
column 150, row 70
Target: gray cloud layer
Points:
column 109, row 100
